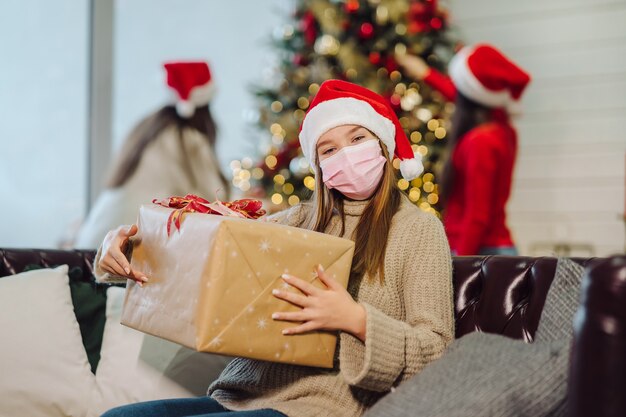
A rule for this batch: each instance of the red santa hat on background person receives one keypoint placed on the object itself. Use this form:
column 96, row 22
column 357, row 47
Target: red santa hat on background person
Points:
column 339, row 103
column 191, row 83
column 485, row 75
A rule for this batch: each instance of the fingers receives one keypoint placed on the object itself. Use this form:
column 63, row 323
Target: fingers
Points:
column 295, row 299
column 130, row 230
column 300, row 284
column 119, row 260
column 113, row 259
column 309, row 326
column 325, row 278
column 138, row 276
column 299, row 316
column 108, row 265
column 111, row 266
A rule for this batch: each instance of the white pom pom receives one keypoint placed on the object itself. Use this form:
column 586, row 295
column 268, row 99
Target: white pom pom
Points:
column 514, row 108
column 185, row 109
column 412, row 168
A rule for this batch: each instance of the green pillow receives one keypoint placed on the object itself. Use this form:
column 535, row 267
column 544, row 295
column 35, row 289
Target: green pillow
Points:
column 90, row 308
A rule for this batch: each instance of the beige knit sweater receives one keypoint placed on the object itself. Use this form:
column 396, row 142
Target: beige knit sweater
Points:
column 409, row 324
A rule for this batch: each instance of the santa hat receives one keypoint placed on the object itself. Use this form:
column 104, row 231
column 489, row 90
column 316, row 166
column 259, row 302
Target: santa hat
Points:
column 191, row 84
column 339, row 103
column 483, row 74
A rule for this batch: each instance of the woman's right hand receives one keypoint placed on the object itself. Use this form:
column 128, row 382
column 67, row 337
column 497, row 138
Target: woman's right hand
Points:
column 112, row 258
column 414, row 66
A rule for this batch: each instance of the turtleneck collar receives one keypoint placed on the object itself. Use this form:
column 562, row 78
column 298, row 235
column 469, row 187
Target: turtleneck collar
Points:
column 354, row 207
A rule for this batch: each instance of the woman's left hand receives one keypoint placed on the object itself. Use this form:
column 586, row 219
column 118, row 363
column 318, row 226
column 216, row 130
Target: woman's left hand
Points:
column 331, row 308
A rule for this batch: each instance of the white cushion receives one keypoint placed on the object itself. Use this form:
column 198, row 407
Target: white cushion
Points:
column 43, row 365
column 138, row 367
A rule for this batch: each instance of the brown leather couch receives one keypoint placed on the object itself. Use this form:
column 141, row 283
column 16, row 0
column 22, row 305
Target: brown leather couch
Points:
column 497, row 294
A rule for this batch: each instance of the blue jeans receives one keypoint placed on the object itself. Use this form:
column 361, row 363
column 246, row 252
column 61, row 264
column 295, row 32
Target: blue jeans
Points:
column 185, row 407
column 498, row 250
column 495, row 250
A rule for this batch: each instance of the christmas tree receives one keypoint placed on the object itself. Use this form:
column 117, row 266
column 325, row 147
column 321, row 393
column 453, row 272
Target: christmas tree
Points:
column 354, row 40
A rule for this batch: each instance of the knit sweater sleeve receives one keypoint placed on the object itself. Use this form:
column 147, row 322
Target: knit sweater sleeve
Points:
column 105, row 277
column 395, row 350
column 441, row 83
column 293, row 216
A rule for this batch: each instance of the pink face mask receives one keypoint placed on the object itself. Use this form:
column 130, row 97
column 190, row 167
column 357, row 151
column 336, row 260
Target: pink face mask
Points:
column 355, row 171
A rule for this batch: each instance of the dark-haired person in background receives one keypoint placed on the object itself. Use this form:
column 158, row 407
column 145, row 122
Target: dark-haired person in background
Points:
column 170, row 152
column 486, row 88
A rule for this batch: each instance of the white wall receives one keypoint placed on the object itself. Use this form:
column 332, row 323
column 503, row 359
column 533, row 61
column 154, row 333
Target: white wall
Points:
column 570, row 177
column 232, row 36
column 569, row 183
column 44, row 93
column 43, row 119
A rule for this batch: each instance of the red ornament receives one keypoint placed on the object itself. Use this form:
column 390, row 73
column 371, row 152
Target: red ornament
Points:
column 417, row 27
column 308, row 28
column 394, row 102
column 300, row 60
column 419, row 12
column 374, row 58
column 391, row 64
column 352, row 6
column 366, row 31
column 424, row 17
column 436, row 23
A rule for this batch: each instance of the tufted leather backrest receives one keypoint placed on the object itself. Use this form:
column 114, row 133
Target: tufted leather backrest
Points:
column 502, row 294
column 14, row 261
column 494, row 294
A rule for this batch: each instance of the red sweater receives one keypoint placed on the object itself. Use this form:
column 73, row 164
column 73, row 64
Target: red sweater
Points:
column 483, row 161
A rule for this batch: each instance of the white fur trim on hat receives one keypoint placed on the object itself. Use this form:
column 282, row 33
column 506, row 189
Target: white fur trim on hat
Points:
column 199, row 96
column 412, row 168
column 470, row 87
column 202, row 94
column 185, row 109
column 339, row 112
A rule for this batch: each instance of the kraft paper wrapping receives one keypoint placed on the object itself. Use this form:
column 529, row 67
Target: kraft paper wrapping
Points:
column 211, row 281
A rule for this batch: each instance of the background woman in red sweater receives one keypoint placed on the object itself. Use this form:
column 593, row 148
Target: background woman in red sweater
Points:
column 486, row 88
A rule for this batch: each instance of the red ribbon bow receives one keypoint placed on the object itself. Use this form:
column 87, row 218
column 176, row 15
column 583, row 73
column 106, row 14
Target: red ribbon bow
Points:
column 245, row 208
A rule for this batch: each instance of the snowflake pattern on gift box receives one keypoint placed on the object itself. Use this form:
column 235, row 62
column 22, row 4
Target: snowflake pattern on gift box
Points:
column 216, row 342
column 261, row 324
column 265, row 246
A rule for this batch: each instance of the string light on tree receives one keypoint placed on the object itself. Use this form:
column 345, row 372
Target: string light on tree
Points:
column 354, row 40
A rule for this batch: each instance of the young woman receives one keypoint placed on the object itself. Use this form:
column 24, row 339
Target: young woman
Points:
column 170, row 152
column 476, row 181
column 396, row 315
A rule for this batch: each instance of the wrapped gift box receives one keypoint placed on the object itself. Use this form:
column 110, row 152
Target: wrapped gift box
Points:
column 211, row 281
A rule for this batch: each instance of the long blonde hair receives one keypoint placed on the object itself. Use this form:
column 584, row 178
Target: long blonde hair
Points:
column 372, row 230
column 149, row 129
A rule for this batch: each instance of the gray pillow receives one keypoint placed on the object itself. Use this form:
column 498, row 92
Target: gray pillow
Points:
column 561, row 303
column 485, row 375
